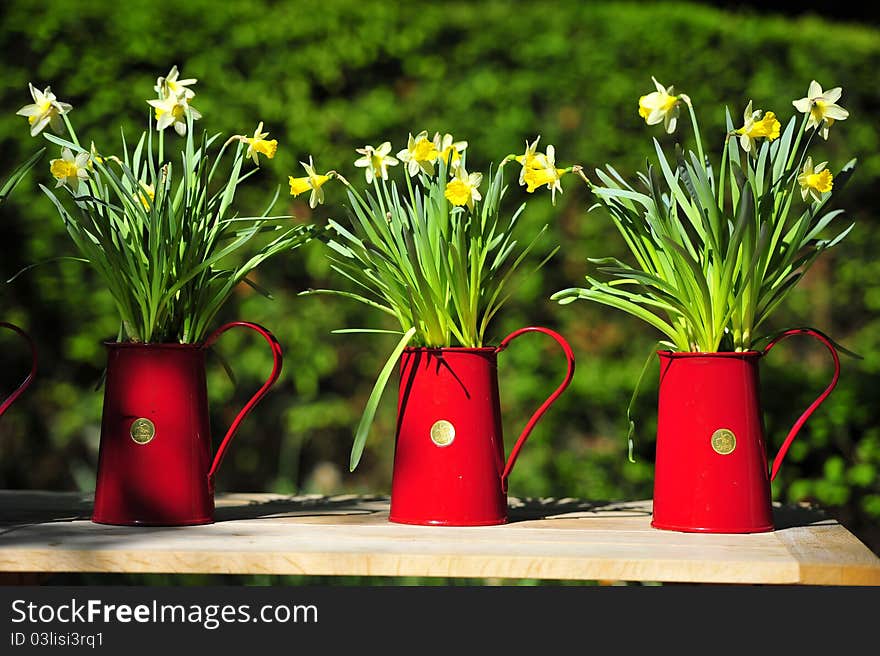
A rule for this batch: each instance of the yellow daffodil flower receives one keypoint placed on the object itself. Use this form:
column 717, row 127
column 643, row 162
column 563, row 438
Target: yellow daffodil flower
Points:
column 146, row 195
column 258, row 145
column 463, row 188
column 170, row 85
column 312, row 181
column 815, row 181
column 449, row 150
column 419, row 154
column 545, row 173
column 94, row 157
column 756, row 127
column 376, row 161
column 531, row 159
column 45, row 110
column 822, row 108
column 661, row 105
column 69, row 170
column 172, row 111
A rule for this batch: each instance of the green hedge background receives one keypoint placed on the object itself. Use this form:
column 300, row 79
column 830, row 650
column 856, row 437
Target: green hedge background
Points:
column 329, row 76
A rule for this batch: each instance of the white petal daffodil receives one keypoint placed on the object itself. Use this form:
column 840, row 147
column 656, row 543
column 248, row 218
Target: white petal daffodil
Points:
column 544, row 172
column 756, row 125
column 462, row 189
column 376, row 161
column 821, row 107
column 172, row 111
column 449, row 149
column 69, row 170
column 171, row 85
column 531, row 159
column 313, row 181
column 45, row 110
column 815, row 180
column 259, row 145
column 661, row 106
column 419, row 155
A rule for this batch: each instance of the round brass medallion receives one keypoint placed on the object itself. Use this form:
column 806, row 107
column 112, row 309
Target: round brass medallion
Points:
column 143, row 430
column 442, row 433
column 723, row 441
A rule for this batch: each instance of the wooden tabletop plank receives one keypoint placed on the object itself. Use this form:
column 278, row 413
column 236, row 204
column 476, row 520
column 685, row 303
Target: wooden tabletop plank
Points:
column 351, row 535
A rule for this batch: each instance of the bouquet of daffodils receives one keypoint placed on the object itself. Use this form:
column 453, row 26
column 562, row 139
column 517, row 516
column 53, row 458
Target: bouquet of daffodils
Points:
column 716, row 250
column 158, row 226
column 434, row 252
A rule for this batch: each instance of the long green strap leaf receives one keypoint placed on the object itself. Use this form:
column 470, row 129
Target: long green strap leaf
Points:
column 366, row 422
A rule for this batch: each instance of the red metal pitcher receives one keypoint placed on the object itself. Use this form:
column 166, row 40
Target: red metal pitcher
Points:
column 449, row 466
column 4, row 406
column 154, row 465
column 711, row 471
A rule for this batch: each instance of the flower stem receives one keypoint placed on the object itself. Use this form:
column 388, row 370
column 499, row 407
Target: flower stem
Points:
column 70, row 130
column 697, row 134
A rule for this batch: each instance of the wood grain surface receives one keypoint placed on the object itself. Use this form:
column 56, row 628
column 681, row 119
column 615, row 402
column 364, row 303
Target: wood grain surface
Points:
column 348, row 535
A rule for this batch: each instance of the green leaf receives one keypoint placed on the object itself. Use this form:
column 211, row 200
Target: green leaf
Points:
column 363, row 429
column 18, row 173
column 630, row 417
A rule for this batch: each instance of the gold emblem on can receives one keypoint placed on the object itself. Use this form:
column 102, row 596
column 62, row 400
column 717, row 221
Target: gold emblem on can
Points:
column 723, row 441
column 142, row 430
column 442, row 433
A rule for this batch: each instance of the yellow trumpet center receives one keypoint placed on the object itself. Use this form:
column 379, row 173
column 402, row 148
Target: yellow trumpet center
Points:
column 264, row 147
column 821, row 181
column 62, row 168
column 424, row 151
column 458, row 192
column 298, row 185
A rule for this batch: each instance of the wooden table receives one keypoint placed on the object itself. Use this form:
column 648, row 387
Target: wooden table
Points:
column 348, row 535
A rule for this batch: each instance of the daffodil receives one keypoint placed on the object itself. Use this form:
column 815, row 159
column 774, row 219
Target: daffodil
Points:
column 462, row 189
column 170, row 85
column 94, row 156
column 45, row 110
column 822, row 108
column 172, row 111
column 545, row 173
column 376, row 161
column 815, row 181
column 259, row 145
column 449, row 149
column 69, row 170
column 530, row 159
column 755, row 126
column 146, row 195
column 661, row 105
column 313, row 181
column 419, row 154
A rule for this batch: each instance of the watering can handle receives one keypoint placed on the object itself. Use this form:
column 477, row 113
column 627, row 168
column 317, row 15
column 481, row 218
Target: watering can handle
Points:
column 30, row 377
column 544, row 406
column 777, row 461
column 276, row 371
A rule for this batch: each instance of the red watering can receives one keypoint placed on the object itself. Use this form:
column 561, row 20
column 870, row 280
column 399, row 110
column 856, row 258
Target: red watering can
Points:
column 711, row 471
column 449, row 466
column 4, row 406
column 155, row 465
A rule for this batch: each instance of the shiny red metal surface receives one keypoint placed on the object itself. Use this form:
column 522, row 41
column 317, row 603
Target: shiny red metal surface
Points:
column 449, row 466
column 155, row 465
column 4, row 406
column 711, row 471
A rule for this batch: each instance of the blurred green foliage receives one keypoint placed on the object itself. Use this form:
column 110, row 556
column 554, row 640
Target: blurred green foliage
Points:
column 331, row 75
